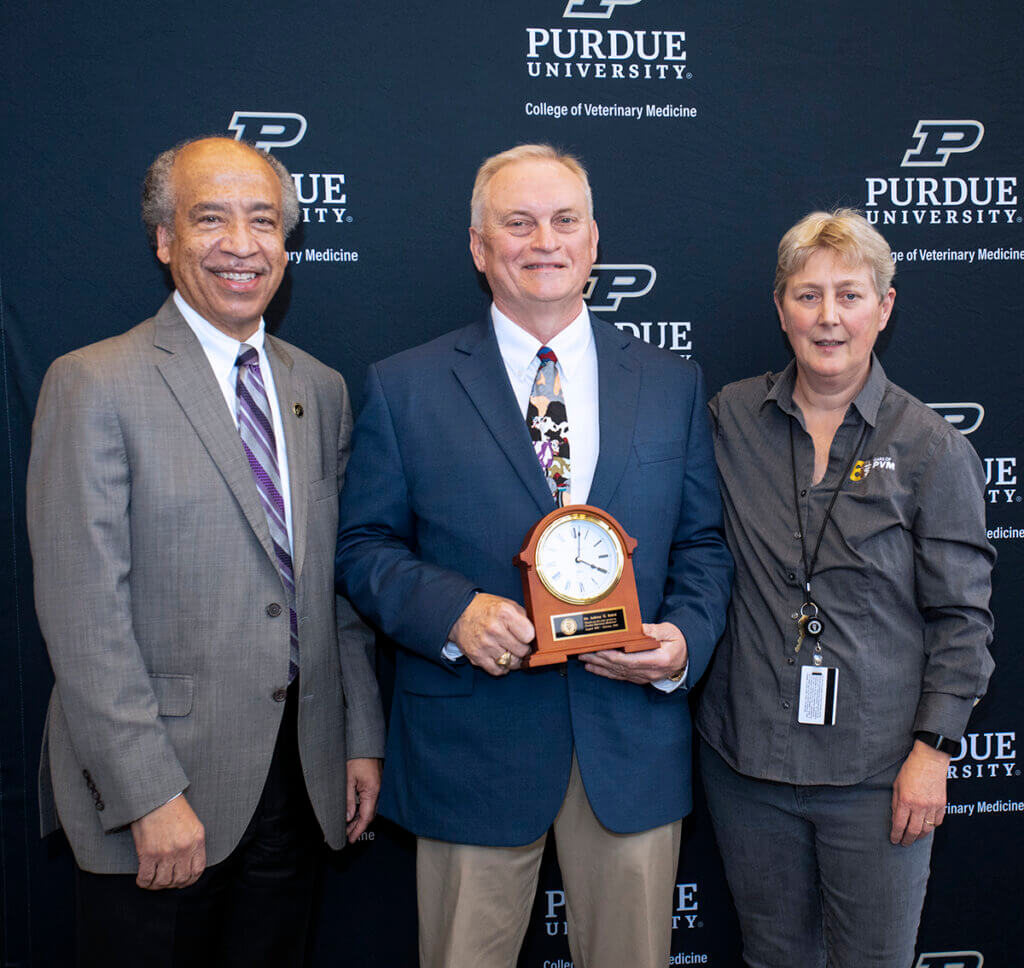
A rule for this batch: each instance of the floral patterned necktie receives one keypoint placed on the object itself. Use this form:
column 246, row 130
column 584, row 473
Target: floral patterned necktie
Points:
column 549, row 425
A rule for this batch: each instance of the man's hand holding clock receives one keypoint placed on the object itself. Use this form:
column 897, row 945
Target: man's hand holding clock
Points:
column 493, row 633
column 665, row 662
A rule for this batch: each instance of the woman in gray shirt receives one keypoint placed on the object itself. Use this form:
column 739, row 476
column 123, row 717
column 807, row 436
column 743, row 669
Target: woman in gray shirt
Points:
column 857, row 635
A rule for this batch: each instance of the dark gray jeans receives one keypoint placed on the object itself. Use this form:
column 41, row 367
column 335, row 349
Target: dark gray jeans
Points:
column 814, row 877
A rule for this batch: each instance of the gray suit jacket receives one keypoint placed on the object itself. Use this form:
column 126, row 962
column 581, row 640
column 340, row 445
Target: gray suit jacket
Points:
column 157, row 594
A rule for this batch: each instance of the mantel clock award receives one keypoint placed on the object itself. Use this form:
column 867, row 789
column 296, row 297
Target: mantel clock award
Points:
column 579, row 586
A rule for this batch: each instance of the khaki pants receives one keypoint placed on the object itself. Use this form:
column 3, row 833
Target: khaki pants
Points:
column 474, row 902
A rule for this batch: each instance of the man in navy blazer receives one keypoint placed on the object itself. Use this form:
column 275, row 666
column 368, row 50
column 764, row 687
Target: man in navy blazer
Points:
column 484, row 758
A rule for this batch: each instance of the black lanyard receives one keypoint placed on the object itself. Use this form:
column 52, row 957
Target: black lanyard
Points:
column 809, row 567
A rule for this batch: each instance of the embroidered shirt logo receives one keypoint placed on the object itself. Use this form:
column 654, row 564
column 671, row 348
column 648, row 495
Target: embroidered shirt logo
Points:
column 862, row 468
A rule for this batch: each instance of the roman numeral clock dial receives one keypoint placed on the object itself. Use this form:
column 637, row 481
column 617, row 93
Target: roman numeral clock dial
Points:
column 579, row 558
column 578, row 585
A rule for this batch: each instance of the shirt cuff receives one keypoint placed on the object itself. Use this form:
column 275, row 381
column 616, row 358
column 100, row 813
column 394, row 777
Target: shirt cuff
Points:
column 943, row 713
column 671, row 685
column 451, row 651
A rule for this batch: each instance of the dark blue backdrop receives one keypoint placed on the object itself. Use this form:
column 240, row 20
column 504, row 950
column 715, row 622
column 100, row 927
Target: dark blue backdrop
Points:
column 708, row 128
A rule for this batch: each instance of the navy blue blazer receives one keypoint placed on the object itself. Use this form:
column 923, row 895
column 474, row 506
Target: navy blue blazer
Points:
column 442, row 487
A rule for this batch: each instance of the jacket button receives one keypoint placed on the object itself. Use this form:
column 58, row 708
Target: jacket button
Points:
column 100, row 804
column 273, row 609
column 280, row 695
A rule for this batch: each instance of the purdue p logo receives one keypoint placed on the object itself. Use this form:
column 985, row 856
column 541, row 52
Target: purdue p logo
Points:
column 595, row 9
column 966, row 417
column 937, row 140
column 268, row 130
column 950, row 959
column 610, row 284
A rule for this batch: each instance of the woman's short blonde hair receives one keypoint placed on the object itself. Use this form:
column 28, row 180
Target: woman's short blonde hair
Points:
column 847, row 233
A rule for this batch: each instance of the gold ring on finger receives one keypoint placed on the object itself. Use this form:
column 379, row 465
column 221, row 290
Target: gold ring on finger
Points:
column 505, row 659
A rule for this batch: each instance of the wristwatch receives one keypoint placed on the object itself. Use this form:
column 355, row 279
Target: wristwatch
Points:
column 944, row 744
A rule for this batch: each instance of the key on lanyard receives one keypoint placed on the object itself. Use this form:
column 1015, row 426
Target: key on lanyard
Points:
column 807, row 623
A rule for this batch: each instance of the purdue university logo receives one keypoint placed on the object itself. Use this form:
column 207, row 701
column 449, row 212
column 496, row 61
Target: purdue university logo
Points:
column 950, row 959
column 267, row 130
column 595, row 9
column 609, row 284
column 937, row 140
column 966, row 417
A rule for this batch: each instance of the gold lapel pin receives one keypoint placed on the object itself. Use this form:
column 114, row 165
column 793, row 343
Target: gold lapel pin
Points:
column 298, row 410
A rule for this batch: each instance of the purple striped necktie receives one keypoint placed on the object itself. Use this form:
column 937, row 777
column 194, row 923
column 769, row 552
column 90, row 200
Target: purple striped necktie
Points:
column 257, row 431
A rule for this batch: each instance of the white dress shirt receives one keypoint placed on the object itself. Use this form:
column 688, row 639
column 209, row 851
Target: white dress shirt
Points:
column 222, row 352
column 577, row 364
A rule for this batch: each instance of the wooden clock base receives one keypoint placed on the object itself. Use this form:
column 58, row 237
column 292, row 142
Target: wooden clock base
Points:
column 565, row 628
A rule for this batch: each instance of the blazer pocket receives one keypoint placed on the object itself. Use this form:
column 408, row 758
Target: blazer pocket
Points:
column 173, row 694
column 651, row 451
column 424, row 678
column 325, row 487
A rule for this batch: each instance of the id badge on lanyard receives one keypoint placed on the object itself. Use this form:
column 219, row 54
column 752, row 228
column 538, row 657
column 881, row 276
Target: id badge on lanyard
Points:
column 819, row 684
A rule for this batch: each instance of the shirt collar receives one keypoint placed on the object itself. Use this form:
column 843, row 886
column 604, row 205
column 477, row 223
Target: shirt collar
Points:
column 867, row 402
column 220, row 349
column 518, row 348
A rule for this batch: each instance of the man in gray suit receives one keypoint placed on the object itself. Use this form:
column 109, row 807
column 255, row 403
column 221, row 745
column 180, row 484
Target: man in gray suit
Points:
column 210, row 688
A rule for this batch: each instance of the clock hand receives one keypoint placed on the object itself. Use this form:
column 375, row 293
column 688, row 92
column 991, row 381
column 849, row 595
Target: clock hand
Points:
column 590, row 564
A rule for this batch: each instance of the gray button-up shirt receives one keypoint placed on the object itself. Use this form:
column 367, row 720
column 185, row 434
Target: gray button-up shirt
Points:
column 902, row 581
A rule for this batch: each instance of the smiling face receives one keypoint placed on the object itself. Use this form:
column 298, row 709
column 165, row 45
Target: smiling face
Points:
column 536, row 244
column 832, row 316
column 226, row 252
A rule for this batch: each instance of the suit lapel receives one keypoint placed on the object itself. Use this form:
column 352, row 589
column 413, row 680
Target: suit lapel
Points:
column 481, row 371
column 618, row 376
column 188, row 375
column 291, row 391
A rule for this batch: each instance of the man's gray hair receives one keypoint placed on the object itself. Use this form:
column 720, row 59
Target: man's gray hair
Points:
column 534, row 152
column 158, row 201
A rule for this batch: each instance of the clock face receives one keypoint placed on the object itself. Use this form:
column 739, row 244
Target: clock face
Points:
column 579, row 558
